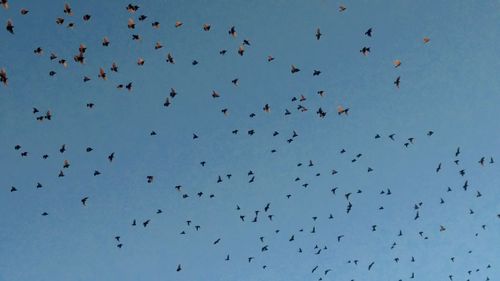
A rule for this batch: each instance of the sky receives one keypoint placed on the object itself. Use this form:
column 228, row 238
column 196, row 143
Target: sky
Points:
column 448, row 86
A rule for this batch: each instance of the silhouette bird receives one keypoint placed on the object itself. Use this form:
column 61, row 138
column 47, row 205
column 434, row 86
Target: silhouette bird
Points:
column 369, row 32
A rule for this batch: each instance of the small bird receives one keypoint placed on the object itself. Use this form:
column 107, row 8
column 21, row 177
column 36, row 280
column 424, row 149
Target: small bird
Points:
column 369, row 32
column 397, row 81
column 170, row 58
column 370, row 265
column 67, row 10
column 365, row 51
column 10, row 26
column 132, row 8
column 3, row 76
column 131, row 23
column 232, row 31
column 105, row 42
column 84, row 201
column 318, row 34
column 241, row 50
column 102, row 74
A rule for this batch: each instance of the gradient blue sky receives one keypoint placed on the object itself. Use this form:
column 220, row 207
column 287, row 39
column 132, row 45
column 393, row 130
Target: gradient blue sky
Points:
column 449, row 86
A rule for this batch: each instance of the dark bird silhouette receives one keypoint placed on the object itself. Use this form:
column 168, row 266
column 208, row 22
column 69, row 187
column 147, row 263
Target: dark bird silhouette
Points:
column 10, row 27
column 397, row 81
column 370, row 265
column 318, row 34
column 84, row 201
column 365, row 51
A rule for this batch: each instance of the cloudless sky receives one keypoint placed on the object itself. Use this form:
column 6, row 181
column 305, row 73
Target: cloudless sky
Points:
column 449, row 86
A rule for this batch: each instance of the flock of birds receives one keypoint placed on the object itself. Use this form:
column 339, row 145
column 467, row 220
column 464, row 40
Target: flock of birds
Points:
column 321, row 271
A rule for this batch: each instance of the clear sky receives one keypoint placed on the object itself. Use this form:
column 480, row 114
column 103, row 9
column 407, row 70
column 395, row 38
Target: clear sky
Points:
column 449, row 86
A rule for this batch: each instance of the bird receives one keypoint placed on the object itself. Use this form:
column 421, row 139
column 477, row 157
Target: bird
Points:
column 67, row 9
column 365, row 51
column 397, row 81
column 318, row 34
column 232, row 31
column 241, row 50
column 10, row 26
column 3, row 77
column 105, row 42
column 371, row 265
column 131, row 23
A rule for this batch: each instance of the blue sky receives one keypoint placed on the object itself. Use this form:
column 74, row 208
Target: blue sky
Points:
column 448, row 85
